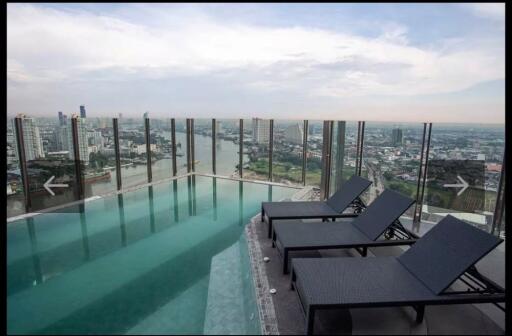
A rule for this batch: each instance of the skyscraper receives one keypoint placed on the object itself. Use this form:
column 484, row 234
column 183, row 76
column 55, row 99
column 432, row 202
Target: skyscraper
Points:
column 146, row 115
column 396, row 137
column 260, row 130
column 293, row 134
column 82, row 140
column 31, row 138
column 61, row 118
column 82, row 111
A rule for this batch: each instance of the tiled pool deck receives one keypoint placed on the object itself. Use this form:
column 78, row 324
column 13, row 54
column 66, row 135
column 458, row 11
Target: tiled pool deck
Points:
column 281, row 312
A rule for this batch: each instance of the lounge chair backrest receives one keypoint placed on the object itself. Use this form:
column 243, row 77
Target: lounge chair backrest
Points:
column 347, row 193
column 446, row 251
column 381, row 213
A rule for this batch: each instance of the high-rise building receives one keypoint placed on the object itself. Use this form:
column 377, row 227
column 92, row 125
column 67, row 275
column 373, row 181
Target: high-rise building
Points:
column 120, row 116
column 146, row 115
column 82, row 111
column 294, row 134
column 61, row 118
column 31, row 138
column 396, row 137
column 82, row 140
column 260, row 130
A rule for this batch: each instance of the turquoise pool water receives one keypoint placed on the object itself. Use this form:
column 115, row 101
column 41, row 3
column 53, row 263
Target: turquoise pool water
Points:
column 165, row 259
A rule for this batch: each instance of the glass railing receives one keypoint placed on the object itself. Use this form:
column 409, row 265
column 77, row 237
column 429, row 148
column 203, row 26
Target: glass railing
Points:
column 388, row 154
column 133, row 155
column 161, row 148
column 474, row 155
column 203, row 146
column 181, row 146
column 287, row 152
column 391, row 157
column 99, row 173
column 15, row 192
column 256, row 149
column 314, row 153
column 343, row 153
column 226, row 147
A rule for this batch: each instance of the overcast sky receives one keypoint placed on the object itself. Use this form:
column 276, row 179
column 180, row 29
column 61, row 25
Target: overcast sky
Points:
column 389, row 62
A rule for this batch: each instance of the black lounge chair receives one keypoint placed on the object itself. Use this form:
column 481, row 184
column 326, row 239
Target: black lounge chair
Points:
column 380, row 218
column 348, row 195
column 420, row 276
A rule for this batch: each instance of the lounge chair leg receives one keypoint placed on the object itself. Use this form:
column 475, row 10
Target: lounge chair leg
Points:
column 285, row 261
column 292, row 280
column 269, row 228
column 262, row 215
column 310, row 319
column 420, row 312
column 273, row 238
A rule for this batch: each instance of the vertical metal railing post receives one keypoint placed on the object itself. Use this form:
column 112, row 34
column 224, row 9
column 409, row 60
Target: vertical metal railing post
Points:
column 187, row 135
column 339, row 158
column 500, row 201
column 326, row 159
column 358, row 143
column 425, row 168
column 148, row 149
column 214, row 144
column 173, row 144
column 192, row 146
column 420, row 170
column 304, row 151
column 78, row 165
column 241, row 148
column 270, row 148
column 20, row 143
column 117, row 152
column 361, row 148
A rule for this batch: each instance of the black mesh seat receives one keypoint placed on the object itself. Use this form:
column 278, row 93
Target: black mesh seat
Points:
column 346, row 196
column 420, row 276
column 361, row 232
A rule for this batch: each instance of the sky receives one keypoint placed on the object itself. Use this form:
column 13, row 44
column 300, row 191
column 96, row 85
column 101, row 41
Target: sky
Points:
column 374, row 62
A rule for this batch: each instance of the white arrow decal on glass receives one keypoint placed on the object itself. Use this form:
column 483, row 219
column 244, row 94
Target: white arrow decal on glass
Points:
column 47, row 185
column 463, row 184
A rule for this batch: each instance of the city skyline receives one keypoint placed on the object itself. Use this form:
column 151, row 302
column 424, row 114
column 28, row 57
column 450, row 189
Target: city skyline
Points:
column 327, row 61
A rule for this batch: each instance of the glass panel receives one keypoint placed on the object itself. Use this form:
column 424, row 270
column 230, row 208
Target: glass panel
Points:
column 161, row 148
column 287, row 152
column 132, row 146
column 15, row 196
column 343, row 156
column 227, row 147
column 203, row 145
column 100, row 172
column 314, row 153
column 181, row 146
column 49, row 155
column 391, row 158
column 256, row 142
column 450, row 145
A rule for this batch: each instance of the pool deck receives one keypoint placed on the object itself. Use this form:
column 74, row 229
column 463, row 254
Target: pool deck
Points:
column 281, row 312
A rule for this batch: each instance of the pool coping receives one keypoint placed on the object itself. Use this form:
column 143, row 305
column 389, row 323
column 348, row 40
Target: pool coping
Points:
column 266, row 309
column 139, row 186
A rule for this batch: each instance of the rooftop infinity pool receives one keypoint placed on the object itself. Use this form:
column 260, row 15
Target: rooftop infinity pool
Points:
column 164, row 259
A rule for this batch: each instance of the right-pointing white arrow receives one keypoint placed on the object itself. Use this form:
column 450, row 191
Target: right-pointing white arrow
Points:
column 463, row 184
column 47, row 185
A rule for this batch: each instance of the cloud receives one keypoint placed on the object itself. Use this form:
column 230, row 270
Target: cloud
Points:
column 46, row 45
column 493, row 11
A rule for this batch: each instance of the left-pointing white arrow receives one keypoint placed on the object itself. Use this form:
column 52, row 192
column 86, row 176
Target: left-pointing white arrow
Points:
column 47, row 185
